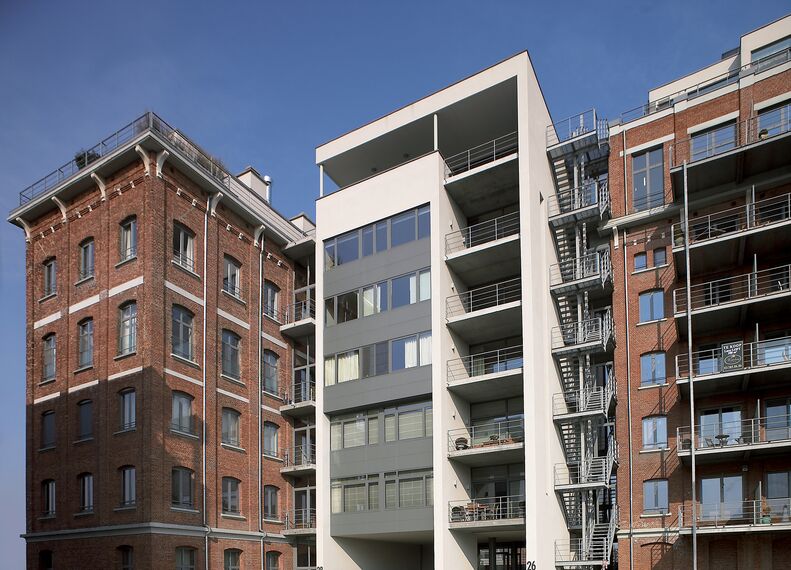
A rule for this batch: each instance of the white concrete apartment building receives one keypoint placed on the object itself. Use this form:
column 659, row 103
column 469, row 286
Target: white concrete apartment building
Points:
column 437, row 446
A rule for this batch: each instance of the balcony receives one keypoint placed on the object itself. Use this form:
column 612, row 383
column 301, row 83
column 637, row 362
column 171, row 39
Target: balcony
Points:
column 592, row 473
column 591, row 401
column 301, row 400
column 487, row 375
column 763, row 515
column 483, row 154
column 486, row 251
column 484, row 444
column 728, row 302
column 732, row 152
column 591, row 272
column 490, row 514
column 300, row 522
column 591, row 335
column 737, row 439
column 486, row 313
column 299, row 319
column 577, row 133
column 734, row 365
column 300, row 461
column 589, row 202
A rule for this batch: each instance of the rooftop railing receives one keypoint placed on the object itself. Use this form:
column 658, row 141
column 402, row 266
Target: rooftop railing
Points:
column 301, row 519
column 576, row 126
column 712, row 84
column 486, row 436
column 596, row 264
column 740, row 357
column 483, row 154
column 729, row 434
column 301, row 310
column 734, row 289
column 481, row 233
column 591, row 193
column 487, row 509
column 483, row 363
column 759, row 214
column 484, row 297
column 598, row 329
column 737, row 513
column 300, row 456
column 728, row 137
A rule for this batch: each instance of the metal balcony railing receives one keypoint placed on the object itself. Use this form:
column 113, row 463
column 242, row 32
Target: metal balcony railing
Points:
column 482, row 154
column 232, row 288
column 295, row 312
column 484, row 232
column 707, row 86
column 596, row 264
column 484, row 297
column 300, row 456
column 750, row 512
column 577, row 125
column 486, row 436
column 740, row 357
column 729, row 434
column 300, row 519
column 596, row 546
column 731, row 221
column 591, row 193
column 487, row 509
column 734, row 289
column 490, row 362
column 728, row 137
column 596, row 330
column 184, row 260
column 301, row 391
column 592, row 470
column 589, row 399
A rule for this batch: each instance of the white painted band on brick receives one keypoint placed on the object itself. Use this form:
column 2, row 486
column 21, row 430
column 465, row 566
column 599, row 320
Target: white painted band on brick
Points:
column 232, row 395
column 84, row 303
column 47, row 320
column 772, row 101
column 268, row 409
column 182, row 376
column 73, row 389
column 649, row 144
column 713, row 122
column 125, row 286
column 233, row 319
column 183, row 293
column 46, row 398
column 125, row 373
column 274, row 340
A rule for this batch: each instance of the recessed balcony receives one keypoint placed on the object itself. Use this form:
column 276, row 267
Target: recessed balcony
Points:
column 483, row 155
column 591, row 401
column 300, row 522
column 486, row 313
column 731, row 440
column 763, row 515
column 487, row 514
column 300, row 401
column 591, row 335
column 299, row 319
column 484, row 444
column 300, row 461
column 591, row 273
column 589, row 202
column 486, row 251
column 490, row 375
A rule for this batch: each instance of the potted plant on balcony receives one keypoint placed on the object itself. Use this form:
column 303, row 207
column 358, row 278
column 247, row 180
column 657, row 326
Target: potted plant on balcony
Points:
column 461, row 443
column 766, row 513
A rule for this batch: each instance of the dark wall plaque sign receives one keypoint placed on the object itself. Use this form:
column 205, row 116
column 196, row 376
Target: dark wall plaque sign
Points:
column 732, row 356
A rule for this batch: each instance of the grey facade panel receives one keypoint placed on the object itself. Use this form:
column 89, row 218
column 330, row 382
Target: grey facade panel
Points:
column 391, row 263
column 371, row 523
column 403, row 321
column 381, row 458
column 372, row 392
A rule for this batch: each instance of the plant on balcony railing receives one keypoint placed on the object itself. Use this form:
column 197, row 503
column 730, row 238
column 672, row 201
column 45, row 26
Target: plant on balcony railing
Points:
column 484, row 297
column 482, row 363
column 488, row 435
column 487, row 509
column 483, row 154
column 737, row 433
column 742, row 356
column 481, row 233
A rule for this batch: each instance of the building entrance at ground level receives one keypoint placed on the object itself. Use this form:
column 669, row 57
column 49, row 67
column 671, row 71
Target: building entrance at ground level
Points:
column 508, row 556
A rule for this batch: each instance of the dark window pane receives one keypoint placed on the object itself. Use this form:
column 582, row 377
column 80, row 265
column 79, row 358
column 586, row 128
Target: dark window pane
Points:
column 368, row 240
column 381, row 236
column 402, row 229
column 348, row 306
column 348, row 248
column 423, row 222
column 368, row 364
column 381, row 358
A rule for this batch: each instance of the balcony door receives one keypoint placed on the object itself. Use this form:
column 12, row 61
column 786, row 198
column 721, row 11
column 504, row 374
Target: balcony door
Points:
column 722, row 498
column 721, row 427
column 776, row 349
column 778, row 495
column 508, row 556
column 304, row 448
column 778, row 419
column 304, row 505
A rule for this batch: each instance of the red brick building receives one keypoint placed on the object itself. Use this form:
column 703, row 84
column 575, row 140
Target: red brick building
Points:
column 170, row 394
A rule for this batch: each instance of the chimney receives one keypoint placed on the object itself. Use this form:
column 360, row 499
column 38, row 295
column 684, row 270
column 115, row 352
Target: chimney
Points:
column 261, row 185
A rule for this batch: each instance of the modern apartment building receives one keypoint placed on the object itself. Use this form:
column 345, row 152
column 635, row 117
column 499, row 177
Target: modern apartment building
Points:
column 170, row 362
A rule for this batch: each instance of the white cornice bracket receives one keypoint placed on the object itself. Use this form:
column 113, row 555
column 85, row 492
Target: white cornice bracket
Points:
column 213, row 204
column 101, row 184
column 258, row 233
column 62, row 208
column 25, row 227
column 162, row 156
column 146, row 159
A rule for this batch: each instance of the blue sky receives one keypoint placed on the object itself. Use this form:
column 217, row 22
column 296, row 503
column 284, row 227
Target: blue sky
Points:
column 264, row 83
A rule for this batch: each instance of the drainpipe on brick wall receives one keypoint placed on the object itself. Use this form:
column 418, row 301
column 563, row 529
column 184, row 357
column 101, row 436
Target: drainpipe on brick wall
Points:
column 261, row 261
column 628, row 401
column 203, row 390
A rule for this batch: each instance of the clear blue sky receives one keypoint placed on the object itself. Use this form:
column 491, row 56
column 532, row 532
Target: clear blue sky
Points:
column 264, row 83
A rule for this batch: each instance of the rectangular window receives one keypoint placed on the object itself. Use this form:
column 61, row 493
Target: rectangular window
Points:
column 774, row 121
column 330, row 260
column 404, row 353
column 128, row 488
column 640, row 261
column 86, row 259
column 127, row 329
column 230, row 495
column 48, row 430
column 410, row 424
column 183, row 247
column 348, row 248
column 48, row 492
column 390, row 427
column 230, row 427
column 424, row 348
column 764, row 54
column 373, row 429
column 652, row 305
column 336, row 497
column 655, row 496
column 50, row 277
column 181, row 487
column 660, row 256
column 655, row 432
column 713, row 142
column 336, row 436
column 128, row 412
column 423, row 222
column 230, row 354
column 411, row 493
column 648, row 179
column 348, row 366
column 271, row 300
column 181, row 413
column 652, row 369
column 404, row 291
column 127, row 243
column 348, row 306
column 232, row 279
column 354, row 497
column 381, row 355
column 424, row 285
column 402, row 228
column 381, row 236
column 373, row 496
column 181, row 333
column 86, row 493
column 270, row 502
column 85, row 420
column 368, row 241
column 354, row 433
column 390, row 495
column 85, row 343
column 49, row 350
column 329, row 371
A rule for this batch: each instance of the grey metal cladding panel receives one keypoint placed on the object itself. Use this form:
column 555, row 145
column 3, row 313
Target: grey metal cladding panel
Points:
column 381, row 458
column 373, row 392
column 403, row 321
column 366, row 270
column 371, row 523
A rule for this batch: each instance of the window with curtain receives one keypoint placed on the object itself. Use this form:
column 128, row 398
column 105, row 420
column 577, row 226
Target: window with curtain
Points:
column 271, row 300
column 127, row 328
column 231, row 359
column 232, row 276
column 181, row 333
column 348, row 366
column 127, row 243
column 404, row 290
column 85, row 343
column 49, row 354
column 183, row 247
column 86, row 265
column 230, row 427
column 271, row 447
column 270, row 372
column 270, row 502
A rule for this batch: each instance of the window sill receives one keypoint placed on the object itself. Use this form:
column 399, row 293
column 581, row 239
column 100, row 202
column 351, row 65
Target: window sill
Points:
column 125, row 508
column 125, row 430
column 83, row 440
column 654, row 515
column 650, row 386
column 125, row 355
column 273, row 319
column 233, row 516
column 83, row 368
column 47, row 381
column 648, row 269
column 47, row 517
column 186, row 361
column 232, row 379
column 274, row 396
column 184, row 509
column 652, row 322
column 654, row 450
column 272, row 521
column 47, row 297
column 125, row 261
column 232, row 447
column 184, row 434
column 45, row 449
column 234, row 297
column 272, row 457
column 186, row 270
column 84, row 280
column 84, row 514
